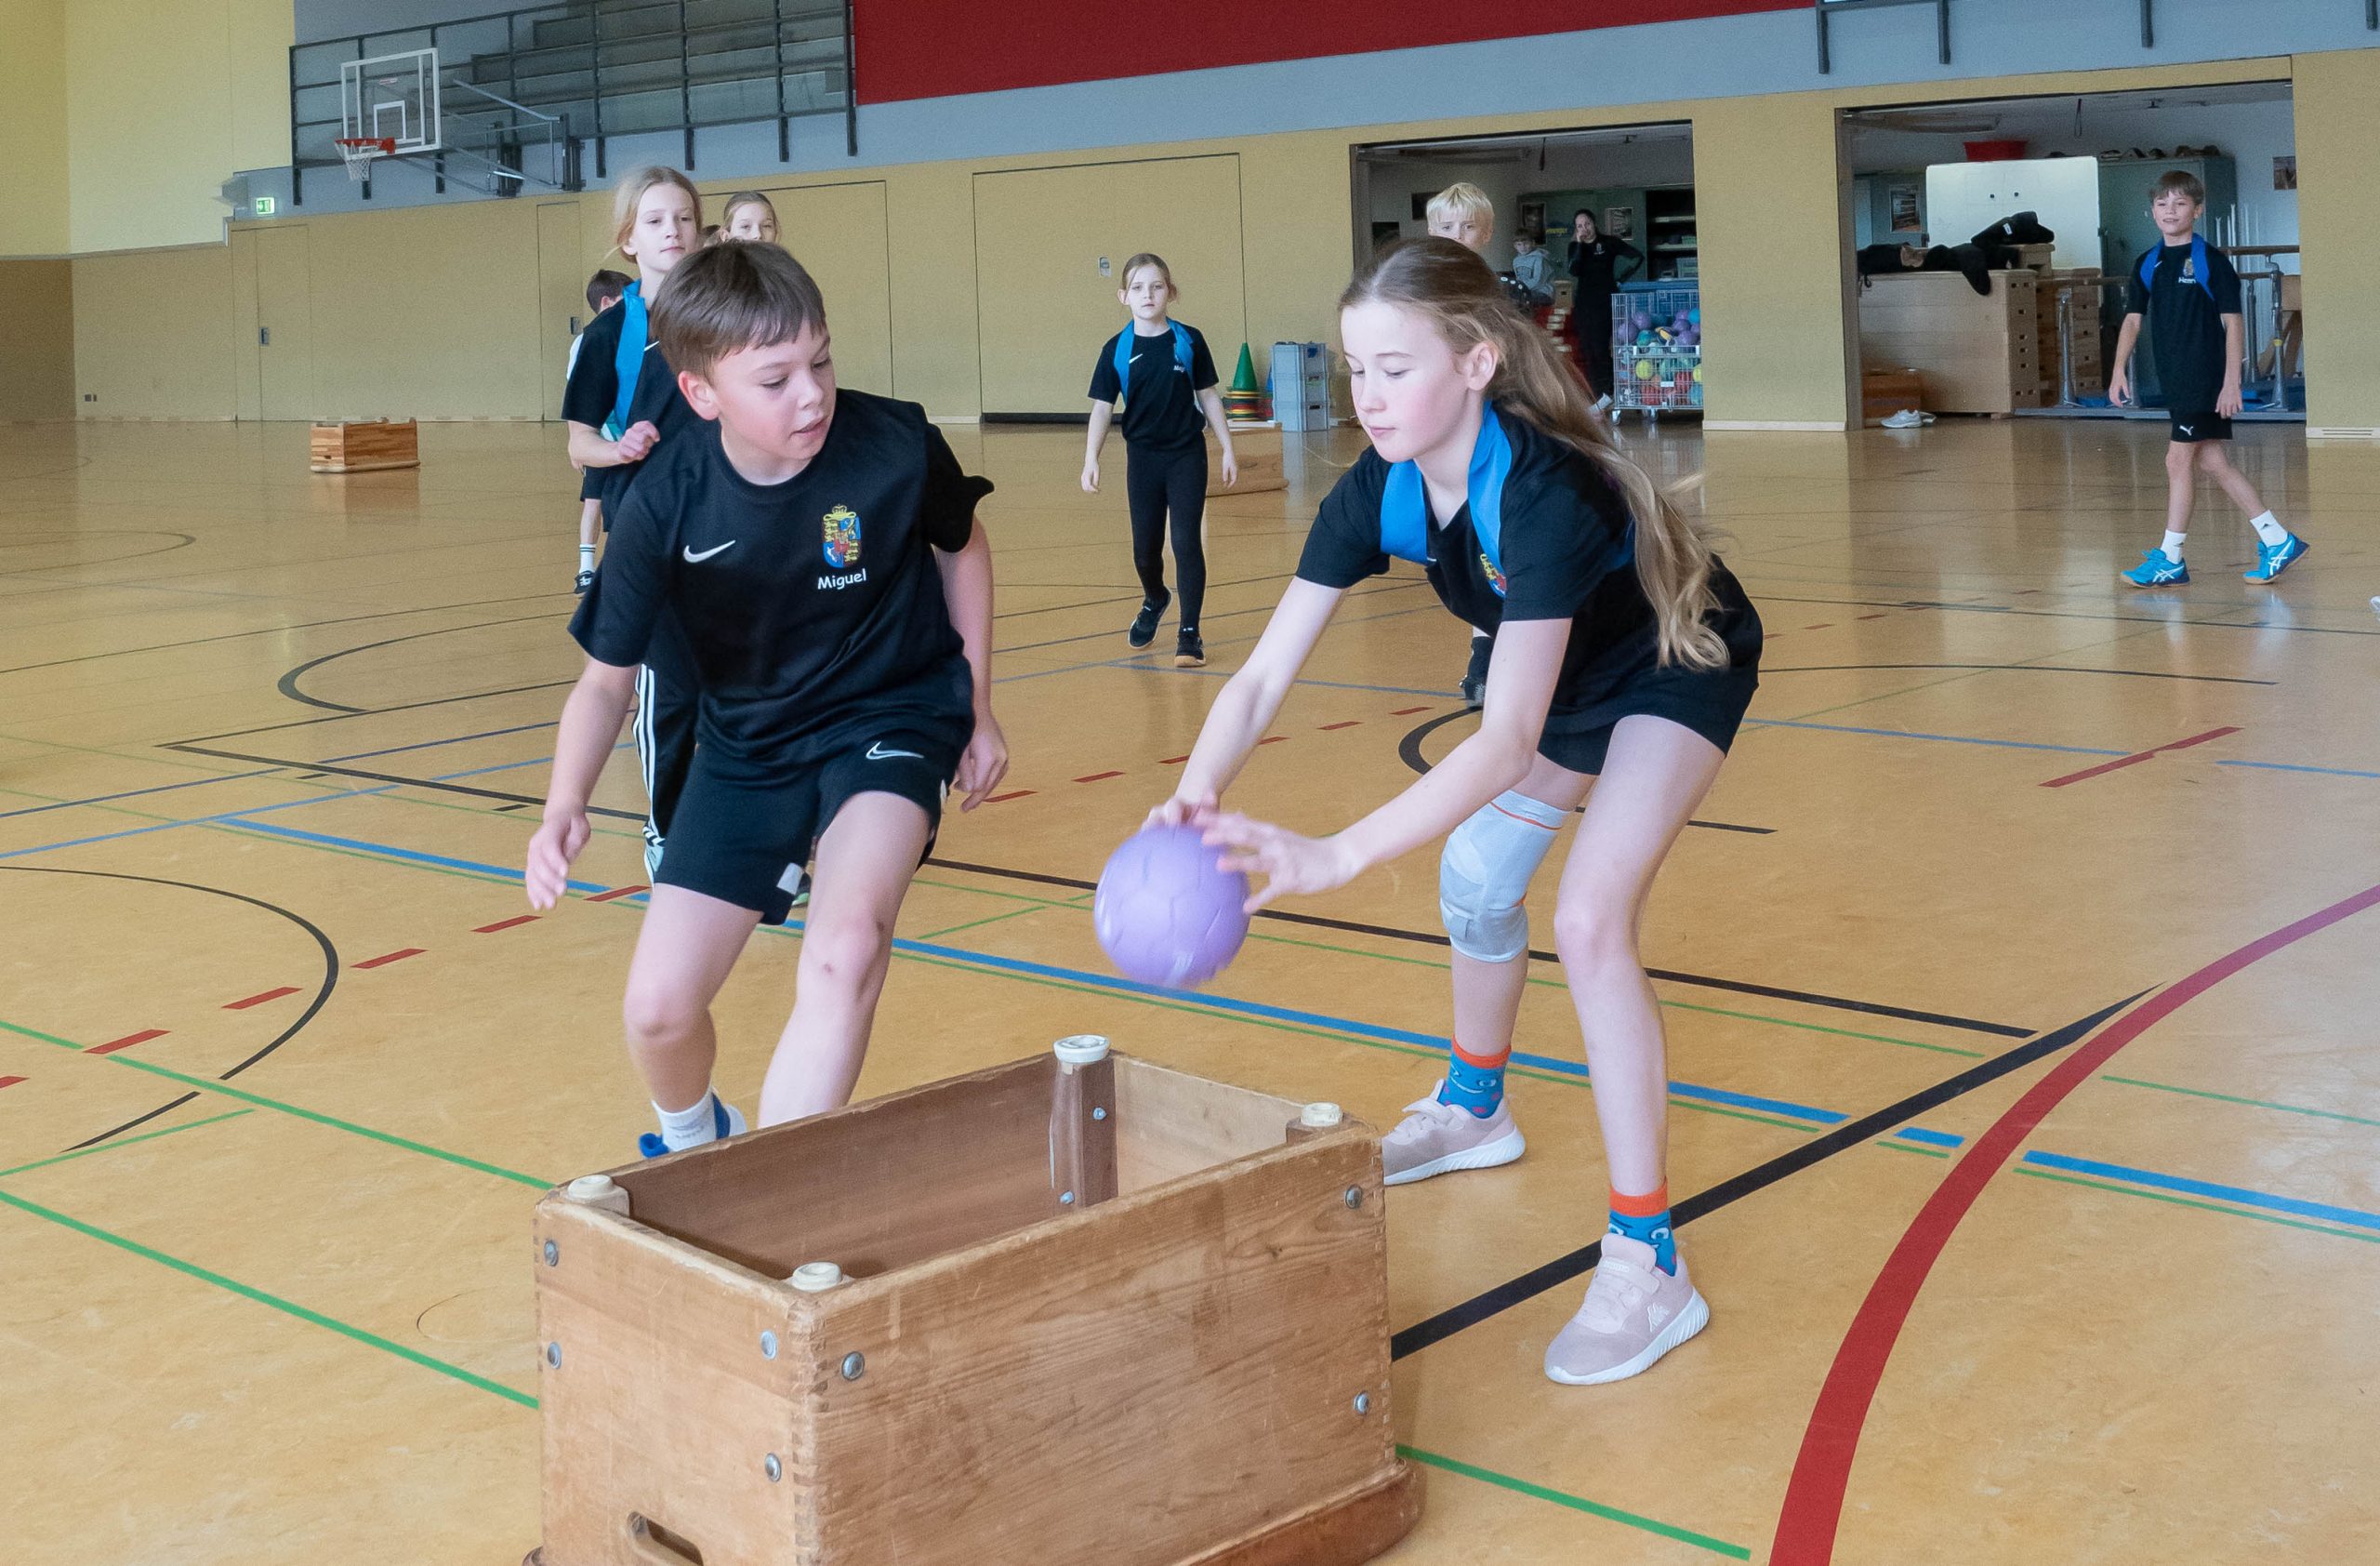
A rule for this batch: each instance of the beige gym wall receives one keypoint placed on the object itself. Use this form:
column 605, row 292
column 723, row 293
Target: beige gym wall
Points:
column 33, row 128
column 479, row 331
column 36, row 340
column 2338, row 225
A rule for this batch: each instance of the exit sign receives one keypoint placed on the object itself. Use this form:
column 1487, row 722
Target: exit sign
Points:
column 264, row 206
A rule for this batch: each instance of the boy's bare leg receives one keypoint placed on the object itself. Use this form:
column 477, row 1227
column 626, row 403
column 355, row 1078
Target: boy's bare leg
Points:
column 2215, row 463
column 2181, row 476
column 683, row 954
column 860, row 874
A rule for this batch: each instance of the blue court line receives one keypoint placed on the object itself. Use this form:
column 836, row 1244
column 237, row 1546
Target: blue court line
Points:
column 1933, row 1139
column 2291, row 766
column 135, row 793
column 1946, row 739
column 416, row 856
column 434, row 744
column 239, row 816
column 2239, row 1195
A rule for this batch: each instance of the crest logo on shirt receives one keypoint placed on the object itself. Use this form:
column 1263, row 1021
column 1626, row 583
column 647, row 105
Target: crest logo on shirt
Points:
column 1495, row 577
column 2189, row 268
column 842, row 539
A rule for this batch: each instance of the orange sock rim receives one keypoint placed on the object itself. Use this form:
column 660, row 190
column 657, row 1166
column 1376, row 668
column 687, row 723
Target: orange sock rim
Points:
column 1484, row 1062
column 1648, row 1206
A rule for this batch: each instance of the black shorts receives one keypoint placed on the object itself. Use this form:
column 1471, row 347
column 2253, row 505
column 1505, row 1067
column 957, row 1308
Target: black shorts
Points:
column 744, row 839
column 2189, row 429
column 590, row 487
column 1712, row 702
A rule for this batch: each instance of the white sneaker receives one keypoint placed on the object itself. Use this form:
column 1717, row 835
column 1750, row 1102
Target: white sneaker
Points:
column 1437, row 1138
column 1909, row 418
column 1635, row 1313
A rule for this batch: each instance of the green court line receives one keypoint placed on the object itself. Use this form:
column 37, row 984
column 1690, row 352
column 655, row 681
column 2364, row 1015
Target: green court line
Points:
column 125, row 1142
column 1577, row 1503
column 978, row 923
column 2190, row 1202
column 1912, row 1147
column 2253, row 1103
column 289, row 1307
column 208, row 1084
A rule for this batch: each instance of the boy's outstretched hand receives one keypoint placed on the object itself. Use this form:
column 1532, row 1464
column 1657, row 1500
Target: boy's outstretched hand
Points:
column 1291, row 864
column 559, row 840
column 984, row 763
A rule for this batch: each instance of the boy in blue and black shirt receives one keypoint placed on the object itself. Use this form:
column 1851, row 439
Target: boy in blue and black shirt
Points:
column 2192, row 296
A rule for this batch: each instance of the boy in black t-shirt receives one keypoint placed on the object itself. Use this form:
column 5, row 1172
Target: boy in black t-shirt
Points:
column 820, row 553
column 2192, row 296
column 1166, row 381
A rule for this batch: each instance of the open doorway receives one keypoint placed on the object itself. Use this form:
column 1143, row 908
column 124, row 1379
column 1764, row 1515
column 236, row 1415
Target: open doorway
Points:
column 1620, row 291
column 2024, row 322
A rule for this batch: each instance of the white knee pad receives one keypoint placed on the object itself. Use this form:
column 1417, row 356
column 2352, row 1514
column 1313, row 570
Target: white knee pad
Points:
column 1484, row 871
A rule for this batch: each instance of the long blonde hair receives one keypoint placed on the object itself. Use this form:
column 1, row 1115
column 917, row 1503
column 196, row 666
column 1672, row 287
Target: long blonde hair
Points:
column 1452, row 287
column 630, row 193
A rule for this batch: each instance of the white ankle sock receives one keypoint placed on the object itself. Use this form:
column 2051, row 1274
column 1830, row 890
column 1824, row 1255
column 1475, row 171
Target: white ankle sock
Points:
column 2269, row 528
column 681, row 1129
column 2173, row 545
column 587, row 557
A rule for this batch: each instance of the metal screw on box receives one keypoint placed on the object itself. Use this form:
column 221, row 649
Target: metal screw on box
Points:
column 553, row 1253
column 553, row 1355
column 768, row 1345
column 1354, row 1197
column 771, row 1466
column 854, row 1365
column 1363, row 1402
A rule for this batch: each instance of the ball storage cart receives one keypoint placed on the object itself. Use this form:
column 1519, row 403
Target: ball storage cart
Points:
column 1656, row 349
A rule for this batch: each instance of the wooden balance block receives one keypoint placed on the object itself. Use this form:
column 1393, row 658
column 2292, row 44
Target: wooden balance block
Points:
column 1077, row 1310
column 356, row 448
column 1261, row 464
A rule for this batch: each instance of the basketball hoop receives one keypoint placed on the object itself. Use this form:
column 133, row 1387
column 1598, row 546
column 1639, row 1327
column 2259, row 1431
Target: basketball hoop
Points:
column 358, row 151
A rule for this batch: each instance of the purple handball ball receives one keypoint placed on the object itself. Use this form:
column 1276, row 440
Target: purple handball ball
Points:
column 1167, row 913
column 1644, row 322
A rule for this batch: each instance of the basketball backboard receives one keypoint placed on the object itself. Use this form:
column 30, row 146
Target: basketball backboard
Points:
column 393, row 96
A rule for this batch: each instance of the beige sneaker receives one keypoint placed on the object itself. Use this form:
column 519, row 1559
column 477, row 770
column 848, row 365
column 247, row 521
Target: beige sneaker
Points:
column 1634, row 1314
column 1435, row 1138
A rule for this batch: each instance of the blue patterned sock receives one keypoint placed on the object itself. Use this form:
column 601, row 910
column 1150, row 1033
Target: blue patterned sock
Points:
column 1475, row 1082
column 1647, row 1219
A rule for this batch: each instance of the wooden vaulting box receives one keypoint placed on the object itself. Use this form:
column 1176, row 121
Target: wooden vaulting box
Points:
column 1093, row 1313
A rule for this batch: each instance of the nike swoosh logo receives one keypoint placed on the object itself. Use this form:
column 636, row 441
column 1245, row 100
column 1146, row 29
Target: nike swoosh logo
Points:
column 693, row 559
column 877, row 753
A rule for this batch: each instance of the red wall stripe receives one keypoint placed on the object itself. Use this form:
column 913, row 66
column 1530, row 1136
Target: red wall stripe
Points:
column 929, row 48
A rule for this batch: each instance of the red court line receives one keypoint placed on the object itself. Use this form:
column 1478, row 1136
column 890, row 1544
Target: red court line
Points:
column 1272, row 739
column 1351, row 723
column 387, row 957
column 129, row 1040
column 504, row 924
column 1822, row 625
column 2137, row 759
column 1098, row 777
column 1012, row 794
column 1407, row 712
column 617, row 892
column 1172, row 760
column 1812, row 1511
column 1879, row 614
column 261, row 1000
column 10, row 1082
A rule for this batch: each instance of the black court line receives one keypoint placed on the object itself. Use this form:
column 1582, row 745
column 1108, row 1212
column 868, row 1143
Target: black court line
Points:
column 276, row 630
column 313, row 1007
column 1852, row 1133
column 370, row 713
column 408, row 782
column 183, row 541
column 1431, row 937
column 288, row 683
column 1408, row 749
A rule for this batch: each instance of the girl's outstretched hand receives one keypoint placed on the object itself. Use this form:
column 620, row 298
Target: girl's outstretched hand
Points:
column 1291, row 864
column 1183, row 810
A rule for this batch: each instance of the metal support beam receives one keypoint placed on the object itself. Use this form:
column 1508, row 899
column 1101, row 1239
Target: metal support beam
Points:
column 2148, row 24
column 1826, row 9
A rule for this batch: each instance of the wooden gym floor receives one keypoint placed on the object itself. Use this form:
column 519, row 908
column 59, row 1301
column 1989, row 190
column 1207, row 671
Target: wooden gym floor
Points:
column 2019, row 982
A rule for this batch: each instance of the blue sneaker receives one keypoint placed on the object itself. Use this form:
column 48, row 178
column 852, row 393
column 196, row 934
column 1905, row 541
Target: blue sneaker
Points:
column 2273, row 559
column 2157, row 569
column 724, row 1119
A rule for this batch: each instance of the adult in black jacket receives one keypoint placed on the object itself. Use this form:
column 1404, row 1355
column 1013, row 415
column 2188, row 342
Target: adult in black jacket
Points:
column 1594, row 263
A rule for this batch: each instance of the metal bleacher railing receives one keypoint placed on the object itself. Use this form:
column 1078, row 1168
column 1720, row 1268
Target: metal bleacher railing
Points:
column 601, row 69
